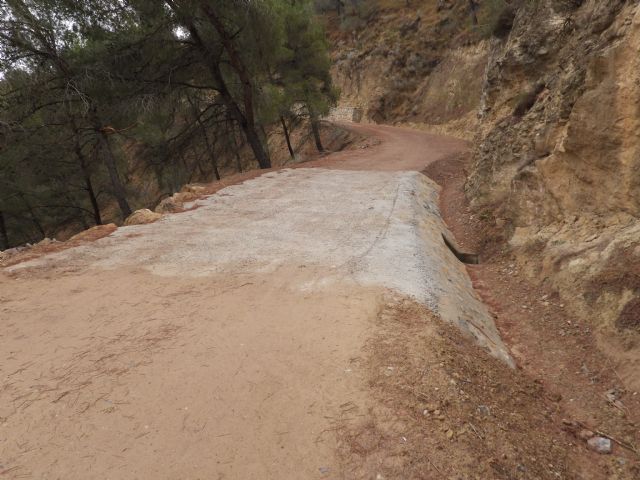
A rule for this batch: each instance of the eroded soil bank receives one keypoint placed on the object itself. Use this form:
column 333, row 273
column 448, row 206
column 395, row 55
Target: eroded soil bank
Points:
column 558, row 350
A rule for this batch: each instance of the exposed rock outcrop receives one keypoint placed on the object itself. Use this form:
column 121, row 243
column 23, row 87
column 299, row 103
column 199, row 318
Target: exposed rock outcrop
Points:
column 413, row 67
column 175, row 203
column 142, row 217
column 552, row 96
column 93, row 233
column 557, row 157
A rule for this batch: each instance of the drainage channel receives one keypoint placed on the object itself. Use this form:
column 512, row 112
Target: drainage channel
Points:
column 468, row 258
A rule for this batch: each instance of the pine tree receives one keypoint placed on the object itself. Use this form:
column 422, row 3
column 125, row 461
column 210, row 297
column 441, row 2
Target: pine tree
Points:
column 99, row 97
column 304, row 71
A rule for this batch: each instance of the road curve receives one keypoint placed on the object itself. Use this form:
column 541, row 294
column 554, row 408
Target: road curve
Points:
column 223, row 342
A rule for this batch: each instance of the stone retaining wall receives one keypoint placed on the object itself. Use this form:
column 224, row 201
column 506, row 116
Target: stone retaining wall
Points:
column 345, row 114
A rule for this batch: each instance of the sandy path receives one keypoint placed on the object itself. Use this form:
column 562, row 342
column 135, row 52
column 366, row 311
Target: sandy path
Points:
column 394, row 149
column 224, row 342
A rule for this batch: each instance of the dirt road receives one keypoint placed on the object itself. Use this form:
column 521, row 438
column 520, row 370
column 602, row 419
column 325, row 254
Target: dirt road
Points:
column 240, row 339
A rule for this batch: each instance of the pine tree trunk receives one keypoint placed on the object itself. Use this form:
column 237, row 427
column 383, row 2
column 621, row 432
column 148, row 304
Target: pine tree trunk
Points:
column 249, row 128
column 116, row 183
column 246, row 118
column 315, row 128
column 72, row 203
column 473, row 8
column 85, row 173
column 286, row 136
column 4, row 236
column 197, row 157
column 214, row 162
column 203, row 130
column 245, row 122
column 238, row 162
column 265, row 139
column 236, row 149
column 32, row 214
column 88, row 184
column 97, row 218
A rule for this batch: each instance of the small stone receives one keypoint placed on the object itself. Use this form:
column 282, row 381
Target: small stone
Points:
column 612, row 395
column 169, row 205
column 142, row 217
column 600, row 445
column 449, row 434
column 45, row 241
column 94, row 233
column 484, row 410
column 585, row 434
column 555, row 397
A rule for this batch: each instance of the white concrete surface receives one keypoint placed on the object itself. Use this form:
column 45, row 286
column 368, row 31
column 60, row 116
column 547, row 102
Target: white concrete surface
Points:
column 377, row 228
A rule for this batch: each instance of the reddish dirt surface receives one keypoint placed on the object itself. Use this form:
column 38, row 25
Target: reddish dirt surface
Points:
column 556, row 349
column 123, row 374
column 43, row 248
column 394, row 148
column 115, row 372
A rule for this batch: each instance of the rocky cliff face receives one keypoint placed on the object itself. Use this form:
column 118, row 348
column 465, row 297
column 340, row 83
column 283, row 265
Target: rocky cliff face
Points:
column 557, row 163
column 553, row 101
column 413, row 64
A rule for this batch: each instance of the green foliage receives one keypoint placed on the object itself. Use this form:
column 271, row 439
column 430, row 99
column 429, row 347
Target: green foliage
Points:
column 106, row 104
column 304, row 68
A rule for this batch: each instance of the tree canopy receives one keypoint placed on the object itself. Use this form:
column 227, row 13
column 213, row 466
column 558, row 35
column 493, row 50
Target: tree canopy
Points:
column 106, row 103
